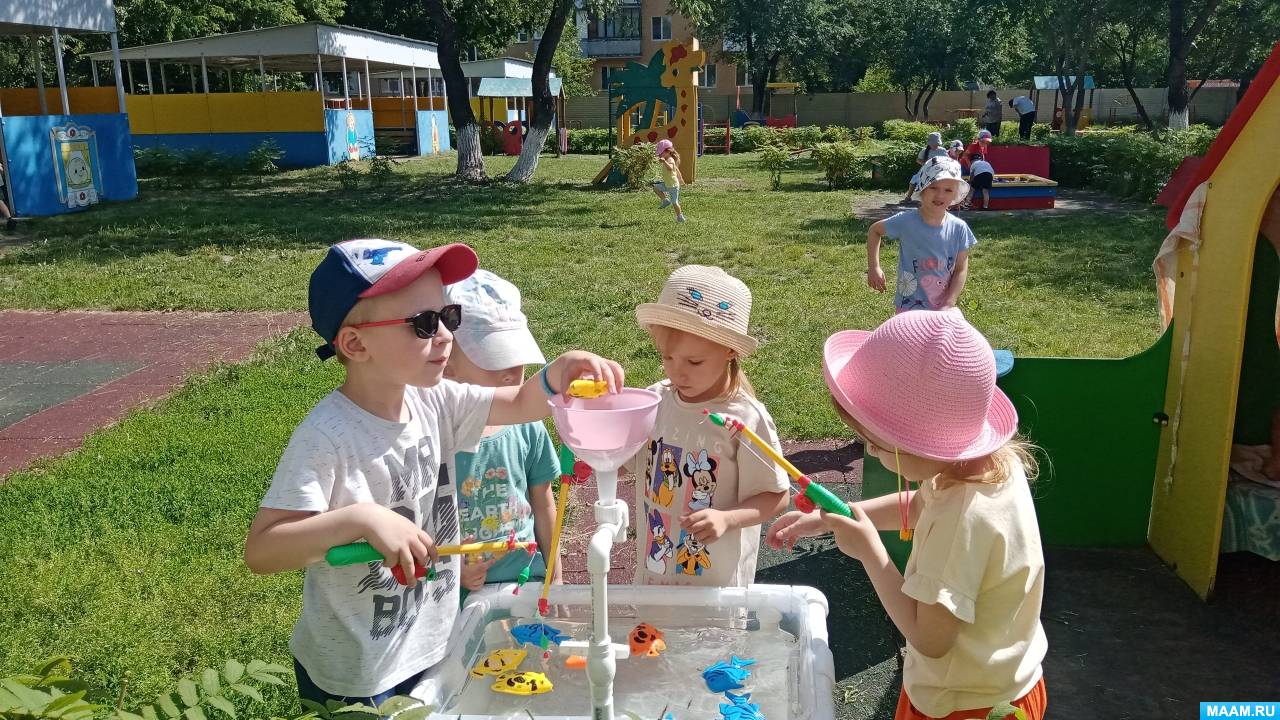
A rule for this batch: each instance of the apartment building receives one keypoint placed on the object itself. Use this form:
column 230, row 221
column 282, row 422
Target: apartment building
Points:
column 633, row 32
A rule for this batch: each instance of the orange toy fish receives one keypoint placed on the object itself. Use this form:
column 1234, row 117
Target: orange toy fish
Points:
column 646, row 640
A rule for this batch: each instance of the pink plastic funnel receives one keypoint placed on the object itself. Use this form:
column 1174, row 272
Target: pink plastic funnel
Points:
column 606, row 431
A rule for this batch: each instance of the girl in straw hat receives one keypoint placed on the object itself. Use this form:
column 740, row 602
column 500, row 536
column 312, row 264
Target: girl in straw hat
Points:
column 700, row 499
column 921, row 392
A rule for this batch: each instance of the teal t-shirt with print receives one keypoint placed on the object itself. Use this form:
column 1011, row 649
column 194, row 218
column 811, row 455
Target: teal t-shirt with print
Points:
column 493, row 492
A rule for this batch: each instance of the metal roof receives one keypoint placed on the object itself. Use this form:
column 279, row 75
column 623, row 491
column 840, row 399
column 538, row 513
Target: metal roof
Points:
column 23, row 18
column 512, row 87
column 1050, row 82
column 291, row 48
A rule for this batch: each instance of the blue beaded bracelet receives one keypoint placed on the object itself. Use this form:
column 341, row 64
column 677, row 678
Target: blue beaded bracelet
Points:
column 546, row 385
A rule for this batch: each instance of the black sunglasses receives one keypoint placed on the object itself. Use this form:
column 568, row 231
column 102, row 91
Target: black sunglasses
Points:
column 426, row 323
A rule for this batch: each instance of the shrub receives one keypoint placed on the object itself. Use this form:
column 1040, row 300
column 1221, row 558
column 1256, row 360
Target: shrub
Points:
column 156, row 162
column 490, row 140
column 348, row 175
column 1123, row 162
column 805, row 136
column 262, row 159
column 897, row 163
column 635, row 163
column 916, row 133
column 841, row 163
column 774, row 159
column 965, row 130
column 589, row 141
column 380, row 170
column 836, row 133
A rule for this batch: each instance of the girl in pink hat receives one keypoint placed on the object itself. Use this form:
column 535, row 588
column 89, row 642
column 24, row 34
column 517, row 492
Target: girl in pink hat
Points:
column 668, row 188
column 921, row 392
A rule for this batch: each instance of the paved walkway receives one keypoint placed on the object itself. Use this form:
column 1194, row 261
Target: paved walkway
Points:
column 65, row 374
column 880, row 205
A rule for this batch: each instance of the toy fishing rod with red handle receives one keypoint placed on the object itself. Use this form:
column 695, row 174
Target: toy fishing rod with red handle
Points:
column 810, row 494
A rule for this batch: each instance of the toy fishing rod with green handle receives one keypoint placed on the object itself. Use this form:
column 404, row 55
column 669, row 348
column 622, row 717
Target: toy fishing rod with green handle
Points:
column 363, row 552
column 811, row 495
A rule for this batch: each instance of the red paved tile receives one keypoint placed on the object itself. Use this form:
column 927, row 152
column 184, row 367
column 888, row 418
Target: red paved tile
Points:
column 168, row 346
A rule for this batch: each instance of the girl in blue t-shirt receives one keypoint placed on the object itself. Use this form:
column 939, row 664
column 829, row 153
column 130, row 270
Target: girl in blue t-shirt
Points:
column 933, row 253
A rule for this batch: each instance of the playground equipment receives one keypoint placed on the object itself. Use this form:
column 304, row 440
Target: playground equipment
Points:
column 785, row 632
column 63, row 148
column 504, row 103
column 332, row 122
column 741, row 118
column 664, row 96
column 1140, row 446
column 792, row 677
column 1021, row 192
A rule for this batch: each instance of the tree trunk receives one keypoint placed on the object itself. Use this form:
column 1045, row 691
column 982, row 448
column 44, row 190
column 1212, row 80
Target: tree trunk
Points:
column 543, row 107
column 470, row 159
column 1178, row 98
column 1137, row 104
column 759, row 91
column 928, row 99
column 1181, row 39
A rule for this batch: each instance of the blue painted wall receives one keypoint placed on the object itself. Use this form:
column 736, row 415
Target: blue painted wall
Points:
column 424, row 130
column 335, row 127
column 301, row 149
column 31, row 160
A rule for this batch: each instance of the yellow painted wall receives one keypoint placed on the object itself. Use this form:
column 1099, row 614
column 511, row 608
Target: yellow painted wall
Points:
column 83, row 100
column 1186, row 517
column 225, row 112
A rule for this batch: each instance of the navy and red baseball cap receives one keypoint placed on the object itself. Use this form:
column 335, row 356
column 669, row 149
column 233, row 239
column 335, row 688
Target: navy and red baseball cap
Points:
column 368, row 267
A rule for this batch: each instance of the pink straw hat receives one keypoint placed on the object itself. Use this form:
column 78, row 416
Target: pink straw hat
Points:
column 924, row 381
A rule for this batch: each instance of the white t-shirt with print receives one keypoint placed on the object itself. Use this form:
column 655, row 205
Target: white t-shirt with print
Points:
column 688, row 465
column 360, row 632
column 977, row 553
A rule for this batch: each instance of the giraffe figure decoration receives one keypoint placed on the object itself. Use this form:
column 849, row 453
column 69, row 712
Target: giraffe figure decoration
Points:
column 666, row 94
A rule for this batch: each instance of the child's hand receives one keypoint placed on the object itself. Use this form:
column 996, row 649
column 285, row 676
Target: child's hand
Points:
column 792, row 526
column 475, row 569
column 706, row 526
column 399, row 541
column 875, row 279
column 856, row 537
column 578, row 364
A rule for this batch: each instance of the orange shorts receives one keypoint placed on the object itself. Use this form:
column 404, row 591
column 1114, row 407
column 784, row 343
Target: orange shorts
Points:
column 1033, row 704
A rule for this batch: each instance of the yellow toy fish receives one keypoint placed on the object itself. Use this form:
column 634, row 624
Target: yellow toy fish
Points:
column 499, row 662
column 588, row 388
column 522, row 683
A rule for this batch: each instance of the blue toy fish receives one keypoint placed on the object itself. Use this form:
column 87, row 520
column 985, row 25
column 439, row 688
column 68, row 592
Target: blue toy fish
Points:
column 540, row 634
column 740, row 709
column 724, row 676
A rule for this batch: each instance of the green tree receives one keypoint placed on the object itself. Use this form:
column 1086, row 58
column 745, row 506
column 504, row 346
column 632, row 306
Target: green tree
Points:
column 930, row 45
column 1131, row 47
column 764, row 35
column 574, row 69
column 1070, row 49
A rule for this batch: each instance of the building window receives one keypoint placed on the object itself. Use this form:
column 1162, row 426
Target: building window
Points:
column 522, row 36
column 623, row 23
column 604, row 78
column 707, row 75
column 662, row 27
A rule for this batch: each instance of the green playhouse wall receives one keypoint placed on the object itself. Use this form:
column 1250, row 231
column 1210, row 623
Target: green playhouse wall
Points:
column 1259, row 393
column 1094, row 421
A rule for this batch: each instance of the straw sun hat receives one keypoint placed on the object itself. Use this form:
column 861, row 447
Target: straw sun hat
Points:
column 707, row 302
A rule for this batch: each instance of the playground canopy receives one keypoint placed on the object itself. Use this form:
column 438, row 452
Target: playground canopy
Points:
column 1050, row 82
column 304, row 47
column 309, row 127
column 81, row 152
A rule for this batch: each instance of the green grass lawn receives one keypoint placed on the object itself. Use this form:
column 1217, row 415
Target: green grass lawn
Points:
column 126, row 554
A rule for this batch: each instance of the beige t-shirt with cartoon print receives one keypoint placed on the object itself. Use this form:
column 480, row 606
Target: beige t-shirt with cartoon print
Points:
column 690, row 464
column 977, row 553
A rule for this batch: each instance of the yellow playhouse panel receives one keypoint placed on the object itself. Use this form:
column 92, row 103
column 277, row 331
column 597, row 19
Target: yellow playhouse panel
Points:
column 1186, row 518
column 265, row 112
column 171, row 114
column 393, row 112
column 93, row 100
column 142, row 119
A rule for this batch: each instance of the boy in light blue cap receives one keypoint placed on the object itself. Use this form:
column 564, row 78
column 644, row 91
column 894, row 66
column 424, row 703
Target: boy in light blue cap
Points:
column 505, row 483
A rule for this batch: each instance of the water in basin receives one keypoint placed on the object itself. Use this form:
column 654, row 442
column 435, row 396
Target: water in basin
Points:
column 644, row 686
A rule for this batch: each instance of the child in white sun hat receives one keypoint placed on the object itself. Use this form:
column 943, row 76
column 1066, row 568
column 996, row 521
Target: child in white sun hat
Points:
column 933, row 253
column 700, row 500
column 921, row 392
column 504, row 483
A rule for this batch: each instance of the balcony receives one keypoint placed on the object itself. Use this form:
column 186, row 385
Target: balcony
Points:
column 610, row 47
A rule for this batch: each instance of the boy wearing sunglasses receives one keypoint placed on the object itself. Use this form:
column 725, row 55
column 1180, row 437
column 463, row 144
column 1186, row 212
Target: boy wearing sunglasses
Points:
column 373, row 460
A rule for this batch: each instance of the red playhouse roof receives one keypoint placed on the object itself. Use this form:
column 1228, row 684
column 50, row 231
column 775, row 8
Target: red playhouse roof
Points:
column 1262, row 84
